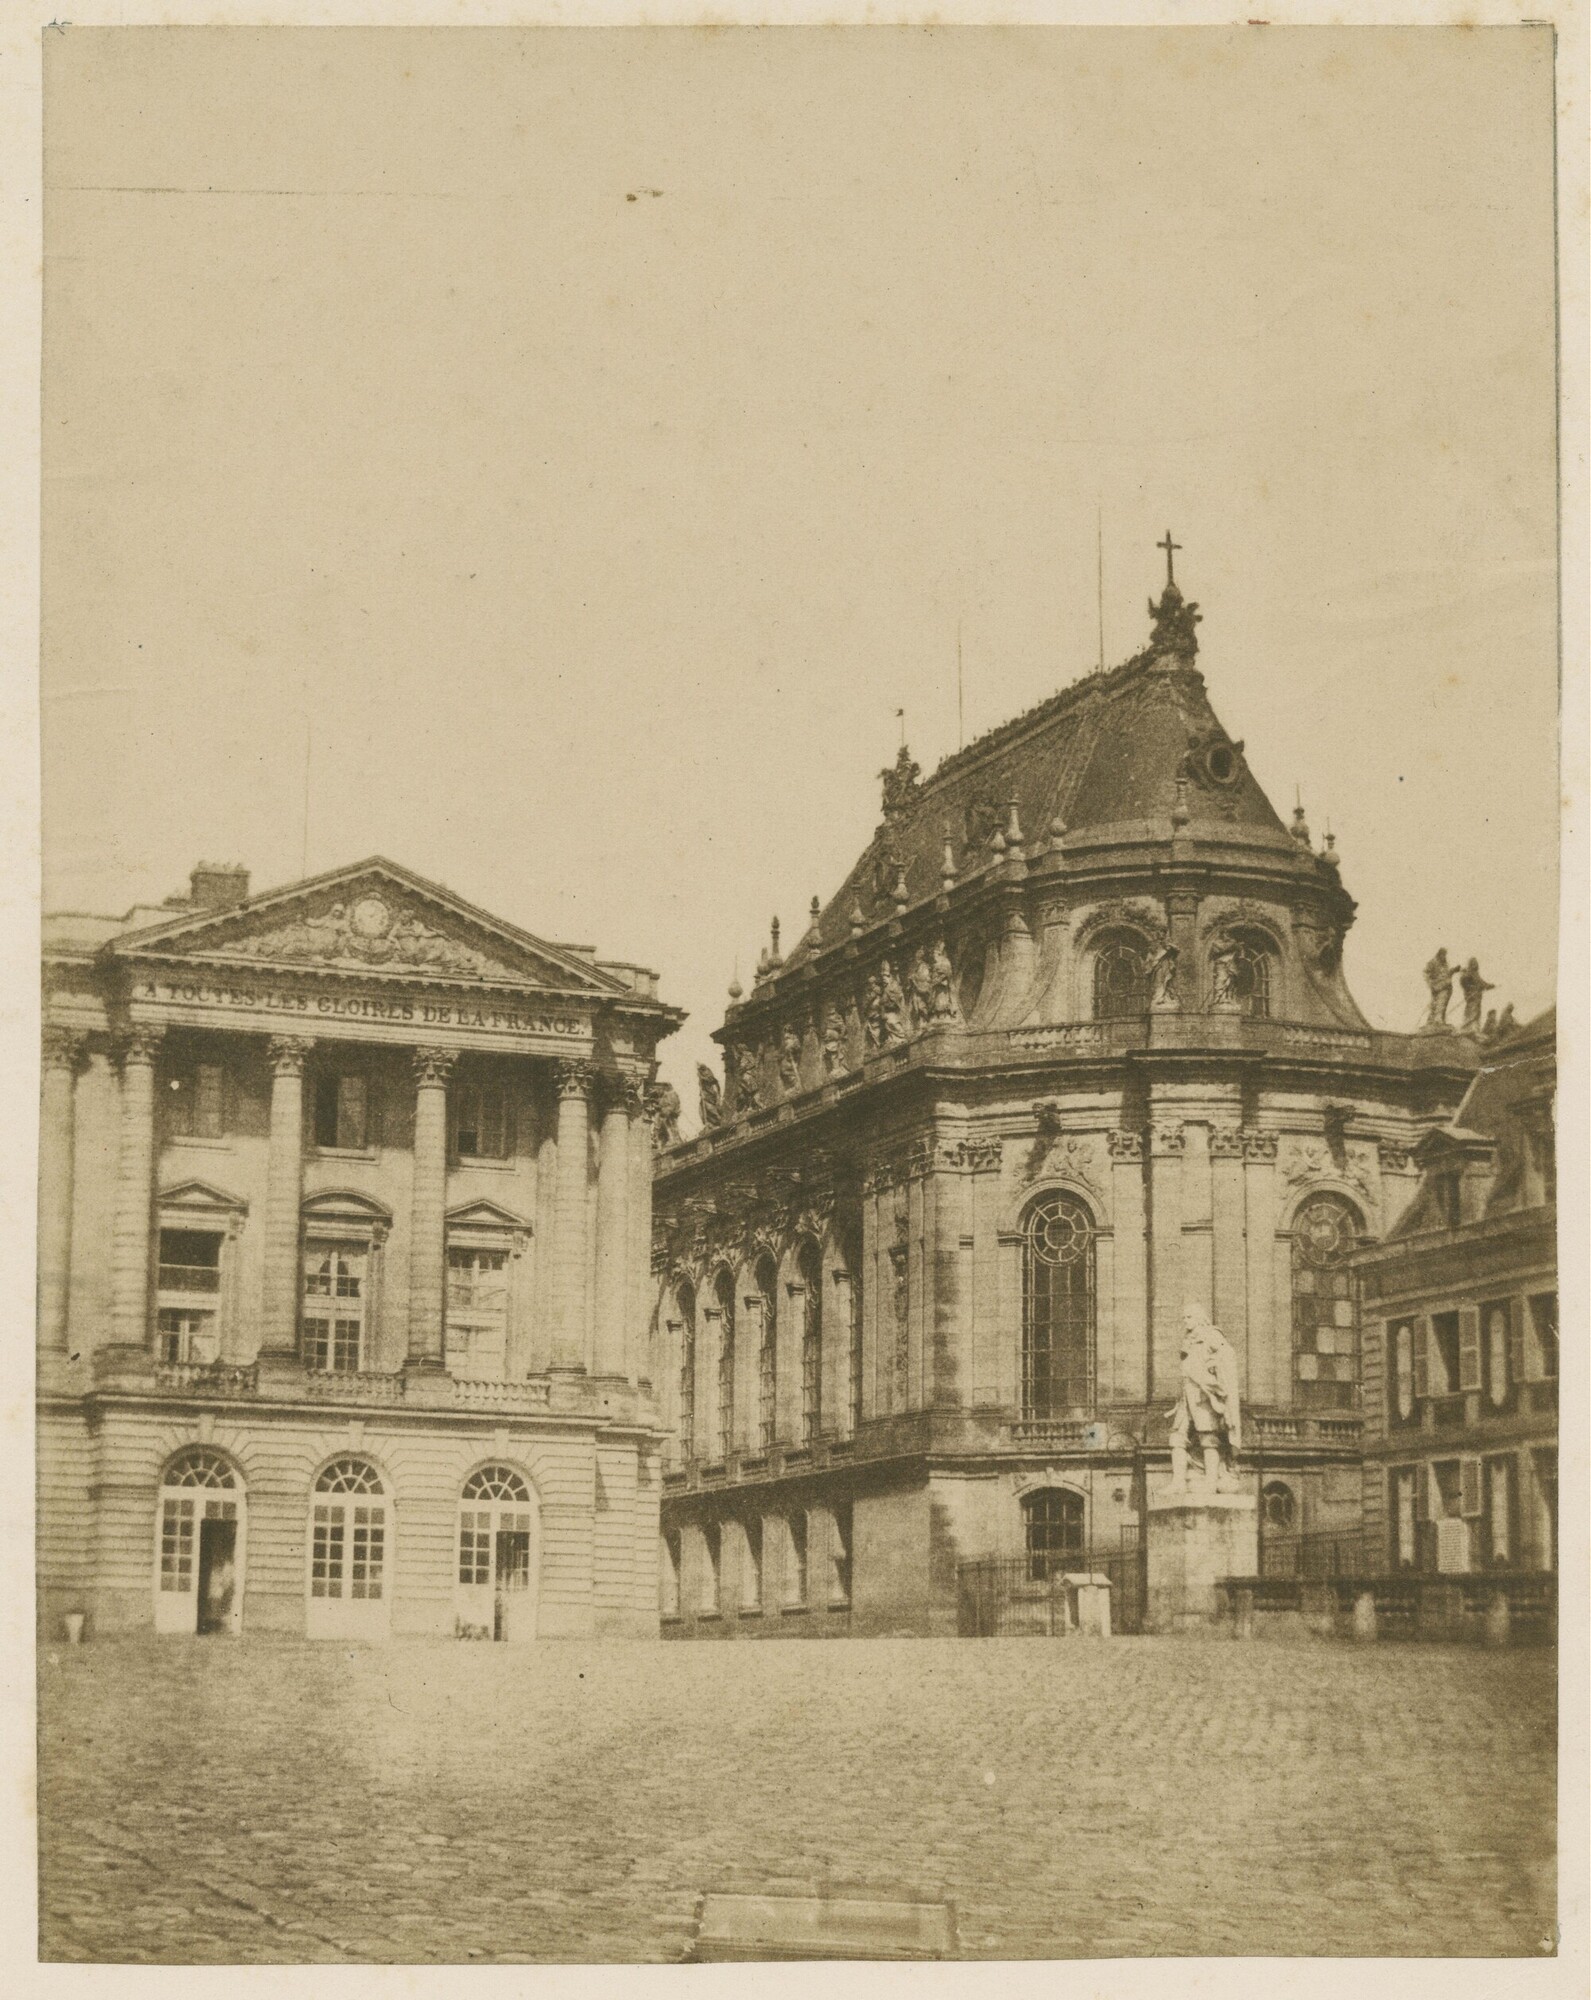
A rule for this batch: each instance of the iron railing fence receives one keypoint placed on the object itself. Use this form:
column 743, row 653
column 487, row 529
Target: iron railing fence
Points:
column 1010, row 1597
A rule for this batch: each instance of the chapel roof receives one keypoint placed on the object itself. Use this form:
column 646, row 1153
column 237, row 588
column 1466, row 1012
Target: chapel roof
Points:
column 1108, row 757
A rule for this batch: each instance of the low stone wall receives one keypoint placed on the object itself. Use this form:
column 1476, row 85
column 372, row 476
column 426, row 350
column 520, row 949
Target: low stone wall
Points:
column 1495, row 1608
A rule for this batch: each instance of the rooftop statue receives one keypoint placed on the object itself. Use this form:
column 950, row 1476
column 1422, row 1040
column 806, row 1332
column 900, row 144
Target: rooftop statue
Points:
column 710, row 1097
column 1439, row 976
column 1208, row 1410
column 1474, row 989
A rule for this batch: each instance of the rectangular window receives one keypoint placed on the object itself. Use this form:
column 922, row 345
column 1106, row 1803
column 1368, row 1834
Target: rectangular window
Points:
column 187, row 1335
column 326, row 1553
column 477, row 1313
column 334, row 1307
column 483, row 1126
column 1544, row 1326
column 1442, row 1354
column 176, row 1545
column 1499, row 1507
column 1449, row 1202
column 475, row 1545
column 197, row 1102
column 341, row 1112
column 669, row 1573
column 751, row 1580
column 712, row 1568
column 1405, row 1516
column 840, row 1555
column 364, row 1570
column 190, row 1261
column 1469, row 1349
column 796, row 1543
column 1401, row 1337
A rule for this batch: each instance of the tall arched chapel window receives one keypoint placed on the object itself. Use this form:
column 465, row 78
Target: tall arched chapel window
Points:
column 1057, row 1308
column 1121, row 985
column 810, row 1266
column 687, row 1371
column 1326, row 1233
column 724, row 1292
column 767, row 1353
column 1241, row 973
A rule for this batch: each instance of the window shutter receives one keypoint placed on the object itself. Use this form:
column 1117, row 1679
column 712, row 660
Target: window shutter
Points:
column 1470, row 1503
column 1516, row 1345
column 1469, row 1349
column 1427, row 1495
column 1422, row 1372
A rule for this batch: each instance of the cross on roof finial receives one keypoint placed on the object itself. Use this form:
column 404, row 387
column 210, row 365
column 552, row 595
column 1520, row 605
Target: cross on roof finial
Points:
column 1170, row 548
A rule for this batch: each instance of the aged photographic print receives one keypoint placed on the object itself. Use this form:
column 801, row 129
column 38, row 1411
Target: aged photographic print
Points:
column 800, row 881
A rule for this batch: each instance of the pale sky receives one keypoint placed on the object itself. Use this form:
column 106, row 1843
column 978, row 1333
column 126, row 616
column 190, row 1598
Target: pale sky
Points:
column 593, row 542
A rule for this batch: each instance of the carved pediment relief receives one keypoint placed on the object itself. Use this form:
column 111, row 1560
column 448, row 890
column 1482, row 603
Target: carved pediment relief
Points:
column 372, row 919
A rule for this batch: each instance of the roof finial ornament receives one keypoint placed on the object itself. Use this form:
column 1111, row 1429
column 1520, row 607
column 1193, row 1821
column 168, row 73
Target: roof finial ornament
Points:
column 1300, row 826
column 1174, row 617
column 947, row 869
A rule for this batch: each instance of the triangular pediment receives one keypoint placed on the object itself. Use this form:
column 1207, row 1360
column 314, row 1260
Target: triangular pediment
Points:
column 485, row 1215
column 375, row 919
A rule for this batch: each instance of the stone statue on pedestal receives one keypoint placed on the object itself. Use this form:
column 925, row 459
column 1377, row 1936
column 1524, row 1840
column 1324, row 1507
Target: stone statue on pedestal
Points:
column 1208, row 1410
column 1439, row 977
column 1161, row 975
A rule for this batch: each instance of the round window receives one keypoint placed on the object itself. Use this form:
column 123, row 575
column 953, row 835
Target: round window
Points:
column 1221, row 764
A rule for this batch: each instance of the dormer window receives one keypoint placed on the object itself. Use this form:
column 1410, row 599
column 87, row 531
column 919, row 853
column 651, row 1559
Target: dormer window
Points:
column 1447, row 1197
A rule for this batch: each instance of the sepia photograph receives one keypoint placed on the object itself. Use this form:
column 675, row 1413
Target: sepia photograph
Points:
column 797, row 1066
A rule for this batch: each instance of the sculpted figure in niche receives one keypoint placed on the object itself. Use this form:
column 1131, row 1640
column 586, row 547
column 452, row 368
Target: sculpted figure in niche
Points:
column 873, row 1011
column 1474, row 989
column 1223, row 976
column 833, row 1039
column 748, row 1087
column 942, row 993
column 790, row 1056
column 919, row 994
column 709, row 1098
column 1208, row 1411
column 1161, row 974
column 1439, row 978
column 893, row 1006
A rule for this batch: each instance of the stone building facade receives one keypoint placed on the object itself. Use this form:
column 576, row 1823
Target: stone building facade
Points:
column 345, row 1212
column 1461, row 1311
column 1070, row 1049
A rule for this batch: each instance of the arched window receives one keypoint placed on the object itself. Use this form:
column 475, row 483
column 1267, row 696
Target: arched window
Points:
column 1057, row 1308
column 348, row 1552
column 1121, row 985
column 1240, row 974
column 198, row 1576
column 1052, row 1522
column 810, row 1266
column 724, row 1291
column 687, row 1370
column 493, row 1597
column 767, row 1281
column 1280, row 1507
column 1326, row 1233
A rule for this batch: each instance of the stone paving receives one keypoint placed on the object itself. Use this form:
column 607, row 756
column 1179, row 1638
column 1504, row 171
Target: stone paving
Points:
column 213, row 1802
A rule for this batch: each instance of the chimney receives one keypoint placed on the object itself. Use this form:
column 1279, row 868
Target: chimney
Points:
column 217, row 885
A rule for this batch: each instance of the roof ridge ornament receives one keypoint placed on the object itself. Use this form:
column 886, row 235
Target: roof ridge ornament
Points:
column 1174, row 617
column 902, row 785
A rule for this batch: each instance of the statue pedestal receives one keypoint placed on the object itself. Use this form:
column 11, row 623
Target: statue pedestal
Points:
column 1193, row 1539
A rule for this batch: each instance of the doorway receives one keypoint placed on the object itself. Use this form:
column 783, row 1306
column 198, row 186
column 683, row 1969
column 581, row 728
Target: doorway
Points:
column 495, row 1596
column 199, row 1546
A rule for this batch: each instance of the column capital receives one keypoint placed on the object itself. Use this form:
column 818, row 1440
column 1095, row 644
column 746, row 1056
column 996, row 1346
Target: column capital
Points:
column 1226, row 1142
column 1259, row 1145
column 572, row 1077
column 1126, row 1145
column 1167, row 1140
column 63, row 1047
column 433, row 1065
column 287, row 1053
column 626, row 1091
column 140, row 1044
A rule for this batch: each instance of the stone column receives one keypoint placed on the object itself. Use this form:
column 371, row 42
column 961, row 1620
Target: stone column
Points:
column 569, row 1217
column 427, row 1205
column 1230, row 1304
column 1182, row 908
column 1130, row 1307
column 1269, row 1358
column 284, row 1194
column 641, row 1357
column 135, row 1186
column 612, row 1268
column 1165, row 1257
column 63, row 1050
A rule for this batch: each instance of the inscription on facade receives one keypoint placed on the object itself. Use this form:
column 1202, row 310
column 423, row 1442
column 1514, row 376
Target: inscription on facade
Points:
column 504, row 1020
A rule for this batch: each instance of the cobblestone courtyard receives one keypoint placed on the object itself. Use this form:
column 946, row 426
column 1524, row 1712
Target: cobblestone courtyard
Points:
column 219, row 1802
